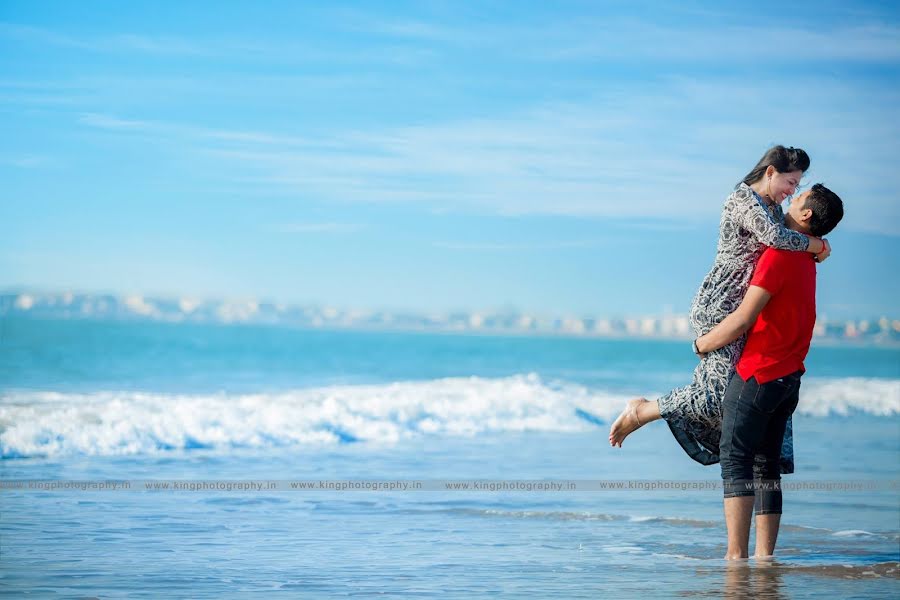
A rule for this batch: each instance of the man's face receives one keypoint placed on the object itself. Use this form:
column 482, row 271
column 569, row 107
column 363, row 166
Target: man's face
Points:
column 798, row 213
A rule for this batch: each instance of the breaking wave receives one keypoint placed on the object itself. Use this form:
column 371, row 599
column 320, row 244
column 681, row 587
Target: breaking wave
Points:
column 35, row 423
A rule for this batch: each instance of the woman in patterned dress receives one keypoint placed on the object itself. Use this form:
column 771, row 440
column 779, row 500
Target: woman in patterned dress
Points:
column 751, row 220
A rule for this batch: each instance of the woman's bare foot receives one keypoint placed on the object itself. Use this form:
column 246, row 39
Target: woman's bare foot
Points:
column 626, row 423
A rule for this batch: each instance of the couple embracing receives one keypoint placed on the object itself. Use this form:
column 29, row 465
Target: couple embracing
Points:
column 737, row 409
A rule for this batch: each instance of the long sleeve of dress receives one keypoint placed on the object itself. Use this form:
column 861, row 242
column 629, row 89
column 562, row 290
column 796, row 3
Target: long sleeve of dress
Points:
column 750, row 215
column 694, row 412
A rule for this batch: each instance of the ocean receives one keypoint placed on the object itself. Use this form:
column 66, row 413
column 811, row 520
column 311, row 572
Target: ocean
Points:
column 355, row 412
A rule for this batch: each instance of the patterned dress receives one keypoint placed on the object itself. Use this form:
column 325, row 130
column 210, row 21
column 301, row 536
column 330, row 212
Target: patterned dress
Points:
column 694, row 412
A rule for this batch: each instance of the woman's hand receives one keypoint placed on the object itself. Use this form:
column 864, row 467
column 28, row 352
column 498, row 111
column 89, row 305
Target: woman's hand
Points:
column 825, row 253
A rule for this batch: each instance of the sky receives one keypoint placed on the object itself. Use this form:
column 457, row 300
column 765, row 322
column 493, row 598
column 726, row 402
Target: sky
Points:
column 564, row 157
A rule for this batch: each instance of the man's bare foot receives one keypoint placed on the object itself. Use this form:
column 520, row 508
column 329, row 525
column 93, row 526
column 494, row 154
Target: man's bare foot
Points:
column 626, row 423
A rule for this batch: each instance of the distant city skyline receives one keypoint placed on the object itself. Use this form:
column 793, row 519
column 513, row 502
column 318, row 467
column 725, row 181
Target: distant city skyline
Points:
column 251, row 311
column 569, row 158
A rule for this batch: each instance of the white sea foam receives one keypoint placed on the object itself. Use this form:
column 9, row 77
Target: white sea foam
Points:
column 116, row 422
column 854, row 533
column 823, row 397
column 623, row 549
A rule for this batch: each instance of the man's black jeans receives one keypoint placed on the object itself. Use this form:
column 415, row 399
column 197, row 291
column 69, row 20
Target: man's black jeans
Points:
column 753, row 422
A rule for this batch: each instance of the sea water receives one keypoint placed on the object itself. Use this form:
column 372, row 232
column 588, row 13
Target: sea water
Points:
column 98, row 401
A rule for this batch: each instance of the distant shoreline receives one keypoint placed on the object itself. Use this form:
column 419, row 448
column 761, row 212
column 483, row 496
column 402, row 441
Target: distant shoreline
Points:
column 822, row 341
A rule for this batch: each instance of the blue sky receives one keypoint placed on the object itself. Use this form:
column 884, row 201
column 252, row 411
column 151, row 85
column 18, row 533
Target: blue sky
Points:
column 552, row 157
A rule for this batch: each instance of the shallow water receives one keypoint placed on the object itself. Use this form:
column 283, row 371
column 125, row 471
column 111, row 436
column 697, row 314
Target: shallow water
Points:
column 510, row 415
column 574, row 544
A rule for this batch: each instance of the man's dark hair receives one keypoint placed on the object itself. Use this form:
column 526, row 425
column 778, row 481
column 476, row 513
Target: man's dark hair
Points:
column 785, row 160
column 827, row 210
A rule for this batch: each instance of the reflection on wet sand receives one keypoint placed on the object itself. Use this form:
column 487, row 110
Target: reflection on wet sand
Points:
column 760, row 579
column 757, row 578
column 885, row 569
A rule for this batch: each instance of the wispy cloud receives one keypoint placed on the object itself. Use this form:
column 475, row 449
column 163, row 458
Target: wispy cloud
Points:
column 625, row 37
column 599, row 157
column 109, row 122
column 283, row 50
column 161, row 45
column 639, row 40
column 25, row 162
column 525, row 246
column 715, row 39
column 319, row 227
column 172, row 131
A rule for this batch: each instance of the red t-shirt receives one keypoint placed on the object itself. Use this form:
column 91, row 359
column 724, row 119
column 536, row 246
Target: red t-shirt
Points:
column 779, row 340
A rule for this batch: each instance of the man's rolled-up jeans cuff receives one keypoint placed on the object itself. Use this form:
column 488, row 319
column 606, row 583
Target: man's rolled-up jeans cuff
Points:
column 773, row 511
column 740, row 494
column 734, row 488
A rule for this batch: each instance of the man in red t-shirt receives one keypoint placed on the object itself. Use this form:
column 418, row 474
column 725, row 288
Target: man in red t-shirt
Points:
column 779, row 310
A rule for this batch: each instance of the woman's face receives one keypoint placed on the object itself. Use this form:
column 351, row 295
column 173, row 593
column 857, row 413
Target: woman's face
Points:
column 782, row 186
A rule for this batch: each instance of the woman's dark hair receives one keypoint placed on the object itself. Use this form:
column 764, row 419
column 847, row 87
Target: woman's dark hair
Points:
column 827, row 210
column 783, row 159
